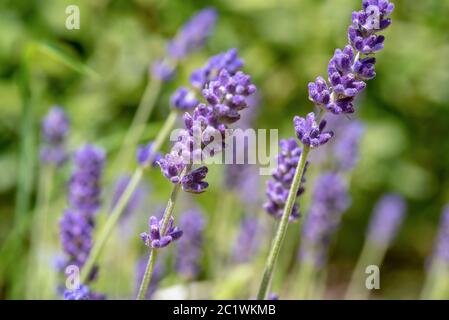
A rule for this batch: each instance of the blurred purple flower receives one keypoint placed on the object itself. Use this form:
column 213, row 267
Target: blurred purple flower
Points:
column 55, row 127
column 387, row 218
column 190, row 245
column 441, row 251
column 329, row 201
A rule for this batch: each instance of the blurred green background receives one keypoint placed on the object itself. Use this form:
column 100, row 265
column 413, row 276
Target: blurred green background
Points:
column 285, row 44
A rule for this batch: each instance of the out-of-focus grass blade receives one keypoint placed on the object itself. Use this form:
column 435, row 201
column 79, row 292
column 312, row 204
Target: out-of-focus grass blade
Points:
column 65, row 58
column 26, row 164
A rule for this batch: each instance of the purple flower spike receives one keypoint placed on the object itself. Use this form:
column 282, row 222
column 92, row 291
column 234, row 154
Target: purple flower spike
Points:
column 329, row 201
column 145, row 155
column 155, row 239
column 55, row 127
column 388, row 216
column 183, row 99
column 344, row 82
column 193, row 34
column 247, row 241
column 76, row 237
column 226, row 90
column 441, row 251
column 310, row 133
column 193, row 182
column 349, row 69
column 278, row 188
column 346, row 147
column 228, row 61
column 190, row 245
column 84, row 185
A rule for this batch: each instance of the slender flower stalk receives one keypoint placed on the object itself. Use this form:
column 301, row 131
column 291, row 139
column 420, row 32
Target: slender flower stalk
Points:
column 168, row 213
column 437, row 283
column 282, row 229
column 387, row 218
column 347, row 72
column 224, row 90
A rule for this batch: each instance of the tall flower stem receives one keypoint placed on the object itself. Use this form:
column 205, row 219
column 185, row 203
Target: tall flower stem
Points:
column 306, row 280
column 141, row 117
column 40, row 236
column 282, row 228
column 153, row 252
column 436, row 286
column 125, row 197
column 370, row 255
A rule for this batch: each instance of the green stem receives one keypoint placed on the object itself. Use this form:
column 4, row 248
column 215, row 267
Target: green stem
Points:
column 306, row 280
column 153, row 253
column 371, row 255
column 282, row 229
column 141, row 117
column 40, row 235
column 110, row 223
column 436, row 286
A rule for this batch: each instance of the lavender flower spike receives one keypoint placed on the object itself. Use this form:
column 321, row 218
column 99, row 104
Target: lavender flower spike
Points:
column 193, row 34
column 388, row 216
column 349, row 69
column 441, row 251
column 346, row 147
column 226, row 95
column 183, row 99
column 55, row 127
column 310, row 133
column 84, row 185
column 76, row 226
column 155, row 239
column 190, row 245
column 278, row 188
column 191, row 37
column 330, row 199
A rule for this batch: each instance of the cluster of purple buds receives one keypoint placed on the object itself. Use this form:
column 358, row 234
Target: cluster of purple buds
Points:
column 84, row 185
column 279, row 187
column 55, row 127
column 83, row 293
column 229, row 61
column 348, row 70
column 156, row 239
column 387, row 218
column 184, row 99
column 190, row 245
column 225, row 94
column 310, row 133
column 441, row 251
column 330, row 200
column 192, row 36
